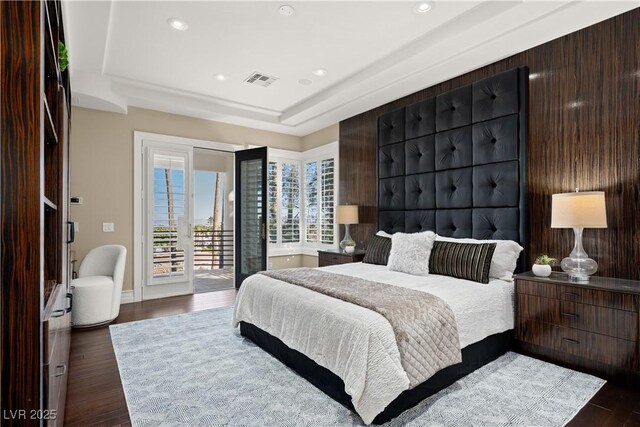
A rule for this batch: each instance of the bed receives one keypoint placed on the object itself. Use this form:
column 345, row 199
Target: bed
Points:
column 340, row 346
column 454, row 164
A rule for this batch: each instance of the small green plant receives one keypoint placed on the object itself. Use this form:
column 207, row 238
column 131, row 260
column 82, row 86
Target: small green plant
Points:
column 545, row 260
column 63, row 56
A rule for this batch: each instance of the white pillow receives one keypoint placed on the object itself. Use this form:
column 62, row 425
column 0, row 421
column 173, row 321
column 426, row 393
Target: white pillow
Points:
column 382, row 233
column 410, row 252
column 504, row 260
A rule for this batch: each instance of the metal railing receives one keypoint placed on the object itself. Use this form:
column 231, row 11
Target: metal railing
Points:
column 212, row 249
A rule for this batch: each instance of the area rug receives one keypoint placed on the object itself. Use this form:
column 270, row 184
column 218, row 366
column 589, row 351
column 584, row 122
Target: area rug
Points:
column 196, row 370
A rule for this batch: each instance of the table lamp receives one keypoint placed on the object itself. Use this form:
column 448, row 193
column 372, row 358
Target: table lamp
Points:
column 347, row 214
column 578, row 210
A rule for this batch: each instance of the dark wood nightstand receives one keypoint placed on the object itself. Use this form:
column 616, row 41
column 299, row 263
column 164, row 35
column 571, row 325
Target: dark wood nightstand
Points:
column 591, row 326
column 333, row 257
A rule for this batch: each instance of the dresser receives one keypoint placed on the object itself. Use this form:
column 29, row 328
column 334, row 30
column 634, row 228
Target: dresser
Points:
column 591, row 327
column 333, row 257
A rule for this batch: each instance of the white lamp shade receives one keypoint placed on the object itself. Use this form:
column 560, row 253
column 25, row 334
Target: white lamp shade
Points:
column 347, row 214
column 584, row 209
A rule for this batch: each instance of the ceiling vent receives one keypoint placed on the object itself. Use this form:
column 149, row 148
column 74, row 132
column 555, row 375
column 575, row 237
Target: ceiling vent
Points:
column 260, row 79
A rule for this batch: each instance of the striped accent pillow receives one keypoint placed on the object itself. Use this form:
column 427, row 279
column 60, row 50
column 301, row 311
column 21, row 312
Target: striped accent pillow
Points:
column 469, row 261
column 378, row 251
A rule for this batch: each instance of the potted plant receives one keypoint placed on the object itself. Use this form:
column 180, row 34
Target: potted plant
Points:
column 63, row 56
column 542, row 266
column 350, row 247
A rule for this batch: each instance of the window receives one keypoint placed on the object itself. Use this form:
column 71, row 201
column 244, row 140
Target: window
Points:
column 319, row 201
column 290, row 202
column 284, row 216
column 302, row 198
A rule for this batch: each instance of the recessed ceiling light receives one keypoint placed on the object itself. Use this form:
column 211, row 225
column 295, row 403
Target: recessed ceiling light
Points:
column 221, row 77
column 320, row 72
column 423, row 7
column 177, row 24
column 305, row 82
column 286, row 10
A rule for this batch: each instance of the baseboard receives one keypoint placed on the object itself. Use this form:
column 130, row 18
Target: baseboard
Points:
column 126, row 297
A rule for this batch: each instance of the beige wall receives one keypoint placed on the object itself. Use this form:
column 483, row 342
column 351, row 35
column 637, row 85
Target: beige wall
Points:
column 101, row 162
column 321, row 137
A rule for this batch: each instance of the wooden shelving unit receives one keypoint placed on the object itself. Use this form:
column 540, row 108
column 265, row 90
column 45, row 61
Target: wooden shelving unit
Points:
column 34, row 137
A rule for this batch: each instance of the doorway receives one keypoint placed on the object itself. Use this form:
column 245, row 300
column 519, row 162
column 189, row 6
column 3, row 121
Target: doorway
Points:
column 213, row 235
column 191, row 234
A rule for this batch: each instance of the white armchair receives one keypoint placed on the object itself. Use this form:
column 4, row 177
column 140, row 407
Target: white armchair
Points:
column 97, row 290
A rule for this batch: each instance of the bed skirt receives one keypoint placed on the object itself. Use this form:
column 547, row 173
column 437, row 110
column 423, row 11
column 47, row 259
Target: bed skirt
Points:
column 473, row 357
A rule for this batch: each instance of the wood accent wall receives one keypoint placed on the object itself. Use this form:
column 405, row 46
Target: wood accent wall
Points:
column 584, row 131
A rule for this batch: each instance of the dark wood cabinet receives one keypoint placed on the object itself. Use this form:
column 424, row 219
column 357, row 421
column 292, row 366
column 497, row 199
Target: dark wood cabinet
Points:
column 35, row 302
column 592, row 326
column 333, row 257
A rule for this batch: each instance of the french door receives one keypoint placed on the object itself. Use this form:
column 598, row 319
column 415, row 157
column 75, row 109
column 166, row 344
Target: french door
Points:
column 168, row 219
column 250, row 213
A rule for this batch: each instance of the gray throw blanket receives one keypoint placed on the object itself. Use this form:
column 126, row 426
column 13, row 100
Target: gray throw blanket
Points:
column 424, row 325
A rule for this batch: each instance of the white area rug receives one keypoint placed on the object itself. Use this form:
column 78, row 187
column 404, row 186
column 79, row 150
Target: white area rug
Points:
column 195, row 370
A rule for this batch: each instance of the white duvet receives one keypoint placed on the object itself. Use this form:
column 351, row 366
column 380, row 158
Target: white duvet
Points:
column 357, row 344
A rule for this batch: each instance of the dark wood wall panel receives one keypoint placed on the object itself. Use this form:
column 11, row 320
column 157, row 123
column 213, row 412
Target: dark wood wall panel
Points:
column 21, row 271
column 584, row 131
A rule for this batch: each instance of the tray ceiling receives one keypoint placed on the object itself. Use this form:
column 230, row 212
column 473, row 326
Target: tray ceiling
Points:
column 125, row 54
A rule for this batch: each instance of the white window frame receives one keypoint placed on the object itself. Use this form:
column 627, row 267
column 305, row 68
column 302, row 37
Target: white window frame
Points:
column 301, row 158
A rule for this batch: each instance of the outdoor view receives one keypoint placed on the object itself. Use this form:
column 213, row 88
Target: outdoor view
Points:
column 213, row 231
column 212, row 226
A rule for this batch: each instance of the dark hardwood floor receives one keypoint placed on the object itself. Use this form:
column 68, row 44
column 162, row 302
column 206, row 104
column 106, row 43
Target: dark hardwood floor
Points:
column 95, row 396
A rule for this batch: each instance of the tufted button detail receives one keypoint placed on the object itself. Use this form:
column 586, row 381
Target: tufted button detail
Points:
column 419, row 154
column 391, row 160
column 494, row 140
column 419, row 118
column 493, row 228
column 453, row 148
column 453, row 108
column 454, row 188
column 419, row 190
column 493, row 96
column 390, row 127
column 494, row 185
column 419, row 227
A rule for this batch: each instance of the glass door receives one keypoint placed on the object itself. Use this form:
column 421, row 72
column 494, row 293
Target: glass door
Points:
column 168, row 222
column 251, row 213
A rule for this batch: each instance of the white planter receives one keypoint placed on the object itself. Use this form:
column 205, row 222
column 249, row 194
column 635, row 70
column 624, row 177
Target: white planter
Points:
column 350, row 249
column 541, row 270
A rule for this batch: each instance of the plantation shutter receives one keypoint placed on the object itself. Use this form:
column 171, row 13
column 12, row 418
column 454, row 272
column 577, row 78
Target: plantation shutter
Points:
column 272, row 207
column 311, row 202
column 327, row 201
column 290, row 203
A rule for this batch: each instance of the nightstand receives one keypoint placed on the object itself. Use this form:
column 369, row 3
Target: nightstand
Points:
column 586, row 326
column 333, row 257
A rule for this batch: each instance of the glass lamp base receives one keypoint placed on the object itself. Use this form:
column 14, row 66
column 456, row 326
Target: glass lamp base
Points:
column 578, row 265
column 579, row 269
column 347, row 241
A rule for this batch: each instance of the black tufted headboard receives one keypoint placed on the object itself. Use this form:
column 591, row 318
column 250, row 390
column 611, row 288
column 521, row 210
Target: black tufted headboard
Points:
column 456, row 163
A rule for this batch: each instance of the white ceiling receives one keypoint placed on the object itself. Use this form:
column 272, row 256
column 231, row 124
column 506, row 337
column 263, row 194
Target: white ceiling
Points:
column 123, row 53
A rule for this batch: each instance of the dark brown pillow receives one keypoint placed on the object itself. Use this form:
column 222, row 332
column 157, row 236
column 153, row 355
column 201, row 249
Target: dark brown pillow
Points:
column 469, row 261
column 378, row 251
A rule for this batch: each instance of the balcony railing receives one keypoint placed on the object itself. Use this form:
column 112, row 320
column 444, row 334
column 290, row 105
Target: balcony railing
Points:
column 212, row 249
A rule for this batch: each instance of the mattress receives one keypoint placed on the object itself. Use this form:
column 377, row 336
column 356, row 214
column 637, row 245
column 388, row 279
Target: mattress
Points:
column 356, row 344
